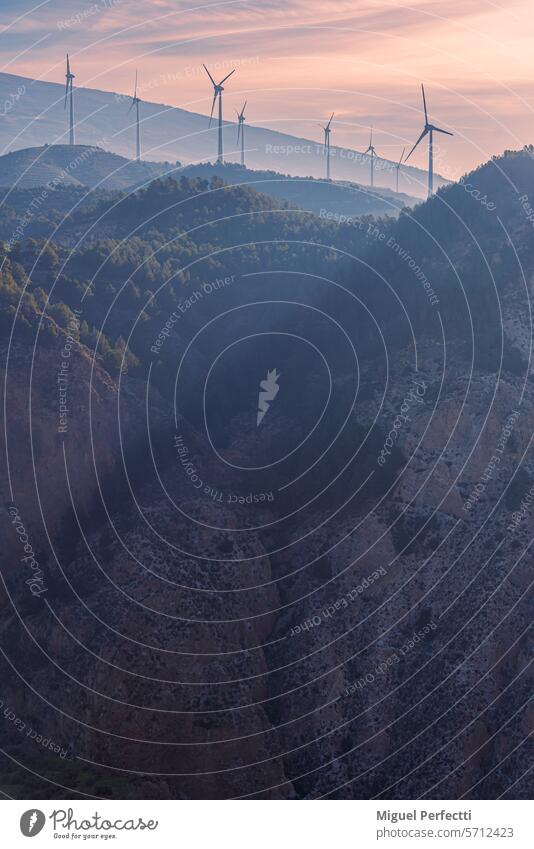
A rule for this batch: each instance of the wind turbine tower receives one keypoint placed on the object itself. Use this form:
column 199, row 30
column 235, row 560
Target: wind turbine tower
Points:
column 428, row 130
column 135, row 103
column 372, row 152
column 241, row 132
column 327, row 132
column 397, row 168
column 69, row 97
column 217, row 93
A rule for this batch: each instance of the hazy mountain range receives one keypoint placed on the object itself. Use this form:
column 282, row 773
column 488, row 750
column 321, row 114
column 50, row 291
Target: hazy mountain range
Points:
column 33, row 114
column 81, row 165
column 85, row 166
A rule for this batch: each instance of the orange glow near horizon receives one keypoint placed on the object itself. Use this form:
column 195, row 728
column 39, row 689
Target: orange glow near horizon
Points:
column 299, row 61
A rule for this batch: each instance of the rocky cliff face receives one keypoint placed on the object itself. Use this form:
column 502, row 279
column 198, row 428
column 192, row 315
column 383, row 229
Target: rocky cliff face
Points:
column 216, row 663
column 61, row 433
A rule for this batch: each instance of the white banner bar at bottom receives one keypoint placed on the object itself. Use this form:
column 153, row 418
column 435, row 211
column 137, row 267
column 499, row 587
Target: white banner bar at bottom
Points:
column 264, row 824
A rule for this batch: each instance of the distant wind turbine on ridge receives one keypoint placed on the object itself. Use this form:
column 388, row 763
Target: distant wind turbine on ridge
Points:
column 397, row 168
column 135, row 103
column 428, row 130
column 372, row 151
column 241, row 131
column 217, row 93
column 69, row 98
column 327, row 132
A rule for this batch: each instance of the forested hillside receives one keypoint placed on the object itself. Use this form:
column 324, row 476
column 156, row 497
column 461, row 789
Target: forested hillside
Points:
column 328, row 599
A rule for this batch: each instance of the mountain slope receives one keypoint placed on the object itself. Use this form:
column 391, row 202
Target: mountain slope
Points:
column 37, row 116
column 80, row 165
column 339, row 200
column 324, row 614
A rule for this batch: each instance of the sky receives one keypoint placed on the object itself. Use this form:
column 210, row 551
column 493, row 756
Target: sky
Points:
column 297, row 61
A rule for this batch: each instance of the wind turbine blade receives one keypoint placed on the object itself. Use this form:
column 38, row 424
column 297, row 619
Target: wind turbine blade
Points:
column 209, row 75
column 446, row 132
column 66, row 95
column 135, row 90
column 401, row 156
column 421, row 137
column 238, row 132
column 226, row 77
column 424, row 103
column 131, row 106
column 68, row 65
column 331, row 119
column 213, row 107
column 244, row 107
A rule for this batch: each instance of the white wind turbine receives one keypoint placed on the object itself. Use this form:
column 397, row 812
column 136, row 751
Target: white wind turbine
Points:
column 428, row 130
column 217, row 93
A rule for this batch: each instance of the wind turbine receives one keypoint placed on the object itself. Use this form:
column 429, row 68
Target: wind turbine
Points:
column 327, row 132
column 135, row 102
column 428, row 129
column 217, row 93
column 397, row 168
column 241, row 132
column 68, row 96
column 372, row 151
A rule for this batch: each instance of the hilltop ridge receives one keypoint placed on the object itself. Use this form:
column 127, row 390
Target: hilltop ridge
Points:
column 170, row 133
column 80, row 165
